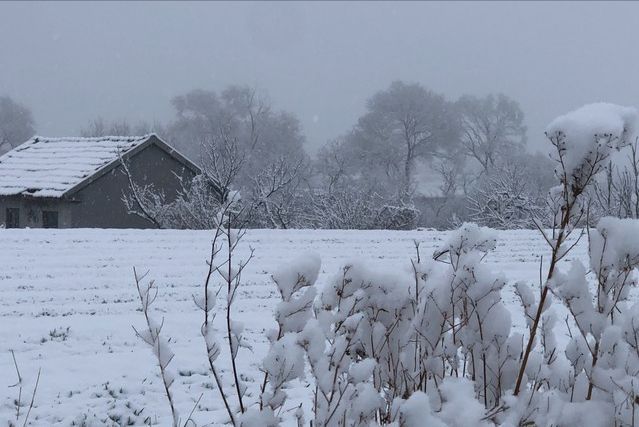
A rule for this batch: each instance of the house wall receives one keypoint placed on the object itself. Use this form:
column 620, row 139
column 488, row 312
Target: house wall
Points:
column 31, row 210
column 100, row 205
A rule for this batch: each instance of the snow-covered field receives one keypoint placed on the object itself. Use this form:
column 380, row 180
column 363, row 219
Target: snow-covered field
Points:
column 68, row 303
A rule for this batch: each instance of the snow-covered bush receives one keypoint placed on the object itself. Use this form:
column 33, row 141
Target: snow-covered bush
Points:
column 607, row 330
column 513, row 193
column 434, row 344
column 374, row 339
column 397, row 217
column 502, row 201
column 583, row 141
column 342, row 208
column 438, row 331
column 585, row 138
column 151, row 334
column 353, row 208
column 195, row 205
column 285, row 359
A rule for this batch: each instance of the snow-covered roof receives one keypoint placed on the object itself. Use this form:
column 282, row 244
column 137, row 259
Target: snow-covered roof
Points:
column 50, row 167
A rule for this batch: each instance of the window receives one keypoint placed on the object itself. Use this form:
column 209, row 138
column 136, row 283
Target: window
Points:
column 50, row 219
column 12, row 219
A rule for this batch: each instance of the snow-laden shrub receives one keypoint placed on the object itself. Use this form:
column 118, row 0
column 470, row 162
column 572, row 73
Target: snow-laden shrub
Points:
column 603, row 348
column 377, row 338
column 151, row 335
column 285, row 359
column 397, row 217
column 583, row 141
column 434, row 344
column 357, row 209
column 504, row 200
column 585, row 138
column 378, row 342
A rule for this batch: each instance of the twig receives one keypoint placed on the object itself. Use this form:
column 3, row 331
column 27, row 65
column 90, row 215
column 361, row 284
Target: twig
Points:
column 35, row 389
column 193, row 410
column 19, row 383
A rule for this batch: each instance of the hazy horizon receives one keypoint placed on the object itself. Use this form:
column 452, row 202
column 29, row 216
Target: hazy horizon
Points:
column 72, row 62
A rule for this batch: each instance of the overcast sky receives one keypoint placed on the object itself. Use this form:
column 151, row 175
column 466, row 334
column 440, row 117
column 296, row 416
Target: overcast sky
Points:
column 71, row 62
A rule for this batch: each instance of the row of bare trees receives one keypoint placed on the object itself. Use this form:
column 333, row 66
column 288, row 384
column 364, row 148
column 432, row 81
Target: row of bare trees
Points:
column 413, row 158
column 454, row 161
column 469, row 158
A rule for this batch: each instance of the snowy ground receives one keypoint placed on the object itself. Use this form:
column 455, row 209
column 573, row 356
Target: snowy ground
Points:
column 68, row 301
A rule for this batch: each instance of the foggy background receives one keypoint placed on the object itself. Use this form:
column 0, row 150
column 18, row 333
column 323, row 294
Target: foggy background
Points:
column 72, row 62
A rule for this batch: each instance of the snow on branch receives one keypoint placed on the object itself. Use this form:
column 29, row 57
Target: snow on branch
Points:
column 585, row 138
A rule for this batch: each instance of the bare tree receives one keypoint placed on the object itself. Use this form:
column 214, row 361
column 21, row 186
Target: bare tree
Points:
column 332, row 165
column 616, row 193
column 16, row 124
column 491, row 128
column 100, row 127
column 245, row 146
column 276, row 192
column 343, row 196
column 222, row 160
column 272, row 199
column 144, row 200
column 453, row 170
column 270, row 196
column 241, row 115
column 196, row 206
column 403, row 124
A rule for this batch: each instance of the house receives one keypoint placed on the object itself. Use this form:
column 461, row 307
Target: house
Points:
column 79, row 182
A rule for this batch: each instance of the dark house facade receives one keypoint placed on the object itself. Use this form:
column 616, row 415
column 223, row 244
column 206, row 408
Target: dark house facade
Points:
column 80, row 182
